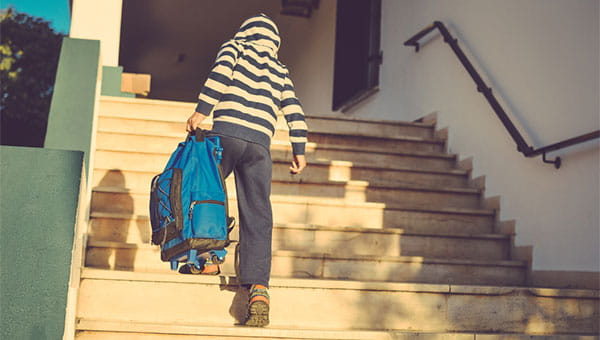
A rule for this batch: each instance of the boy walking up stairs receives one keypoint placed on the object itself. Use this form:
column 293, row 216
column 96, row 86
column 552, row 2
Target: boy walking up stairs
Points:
column 245, row 91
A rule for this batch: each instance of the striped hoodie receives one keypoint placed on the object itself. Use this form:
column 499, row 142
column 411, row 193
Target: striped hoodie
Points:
column 248, row 87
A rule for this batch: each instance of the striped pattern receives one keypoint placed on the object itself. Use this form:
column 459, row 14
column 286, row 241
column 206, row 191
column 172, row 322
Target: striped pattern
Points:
column 248, row 88
column 258, row 293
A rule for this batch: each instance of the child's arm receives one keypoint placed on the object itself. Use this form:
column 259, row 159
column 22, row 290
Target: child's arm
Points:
column 294, row 115
column 219, row 78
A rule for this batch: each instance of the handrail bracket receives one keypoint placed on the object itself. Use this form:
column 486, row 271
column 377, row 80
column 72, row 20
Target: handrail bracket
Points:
column 557, row 161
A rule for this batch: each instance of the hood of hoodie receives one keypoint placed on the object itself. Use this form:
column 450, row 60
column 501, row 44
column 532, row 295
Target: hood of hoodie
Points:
column 261, row 31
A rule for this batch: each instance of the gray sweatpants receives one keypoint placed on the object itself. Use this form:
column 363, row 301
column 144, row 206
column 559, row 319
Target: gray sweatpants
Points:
column 251, row 163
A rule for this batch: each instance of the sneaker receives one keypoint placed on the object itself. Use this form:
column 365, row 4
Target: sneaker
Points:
column 207, row 269
column 258, row 307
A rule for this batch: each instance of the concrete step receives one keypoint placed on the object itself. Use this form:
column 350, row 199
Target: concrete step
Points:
column 176, row 299
column 102, row 329
column 344, row 241
column 144, row 127
column 122, row 200
column 314, row 264
column 149, row 109
column 377, row 156
column 317, row 171
column 177, row 112
column 174, row 132
column 135, row 131
column 332, row 213
column 356, row 191
column 363, row 127
column 157, row 112
column 384, row 174
column 360, row 191
column 155, row 162
column 135, row 142
column 375, row 143
column 331, row 174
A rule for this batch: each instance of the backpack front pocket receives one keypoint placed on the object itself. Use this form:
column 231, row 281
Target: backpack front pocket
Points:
column 208, row 219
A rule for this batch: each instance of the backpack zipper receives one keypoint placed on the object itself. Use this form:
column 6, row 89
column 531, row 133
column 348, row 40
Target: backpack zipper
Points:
column 191, row 212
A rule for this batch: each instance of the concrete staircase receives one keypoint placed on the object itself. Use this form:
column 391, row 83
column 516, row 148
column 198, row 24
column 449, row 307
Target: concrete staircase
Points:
column 383, row 236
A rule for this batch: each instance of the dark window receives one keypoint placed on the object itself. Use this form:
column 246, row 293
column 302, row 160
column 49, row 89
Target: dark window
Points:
column 357, row 52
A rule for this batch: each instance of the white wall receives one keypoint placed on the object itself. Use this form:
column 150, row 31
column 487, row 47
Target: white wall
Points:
column 541, row 57
column 99, row 20
column 307, row 48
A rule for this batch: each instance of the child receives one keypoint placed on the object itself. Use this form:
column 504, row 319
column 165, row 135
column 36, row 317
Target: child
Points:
column 245, row 90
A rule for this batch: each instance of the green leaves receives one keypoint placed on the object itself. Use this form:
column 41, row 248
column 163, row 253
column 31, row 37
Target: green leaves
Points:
column 29, row 50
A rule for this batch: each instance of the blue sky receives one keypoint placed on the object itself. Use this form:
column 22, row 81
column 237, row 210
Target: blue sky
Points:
column 55, row 11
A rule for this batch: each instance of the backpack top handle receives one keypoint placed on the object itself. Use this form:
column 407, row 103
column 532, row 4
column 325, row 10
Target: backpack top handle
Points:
column 199, row 133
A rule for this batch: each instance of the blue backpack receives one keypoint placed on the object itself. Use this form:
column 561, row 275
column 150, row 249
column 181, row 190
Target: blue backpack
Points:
column 188, row 204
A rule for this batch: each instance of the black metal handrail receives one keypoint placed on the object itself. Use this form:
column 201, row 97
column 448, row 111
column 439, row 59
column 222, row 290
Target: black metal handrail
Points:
column 522, row 146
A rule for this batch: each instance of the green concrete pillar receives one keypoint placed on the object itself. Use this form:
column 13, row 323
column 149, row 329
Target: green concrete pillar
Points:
column 38, row 206
column 111, row 82
column 76, row 92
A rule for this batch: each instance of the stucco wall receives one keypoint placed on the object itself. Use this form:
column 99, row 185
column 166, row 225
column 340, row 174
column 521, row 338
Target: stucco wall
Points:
column 40, row 190
column 541, row 57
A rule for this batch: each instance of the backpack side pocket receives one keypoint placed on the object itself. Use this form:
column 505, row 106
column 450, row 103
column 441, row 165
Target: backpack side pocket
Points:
column 166, row 214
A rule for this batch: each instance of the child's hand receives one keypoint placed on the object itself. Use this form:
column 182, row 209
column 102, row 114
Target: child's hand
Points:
column 194, row 121
column 298, row 164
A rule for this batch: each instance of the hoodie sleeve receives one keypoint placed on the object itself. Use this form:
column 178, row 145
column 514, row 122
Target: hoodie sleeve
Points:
column 219, row 78
column 294, row 116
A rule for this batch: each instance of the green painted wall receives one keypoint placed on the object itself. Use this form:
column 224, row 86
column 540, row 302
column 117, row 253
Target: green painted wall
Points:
column 40, row 188
column 71, row 117
column 111, row 82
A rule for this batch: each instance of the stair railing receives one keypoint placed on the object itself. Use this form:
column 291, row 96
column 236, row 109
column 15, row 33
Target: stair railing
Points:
column 522, row 145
